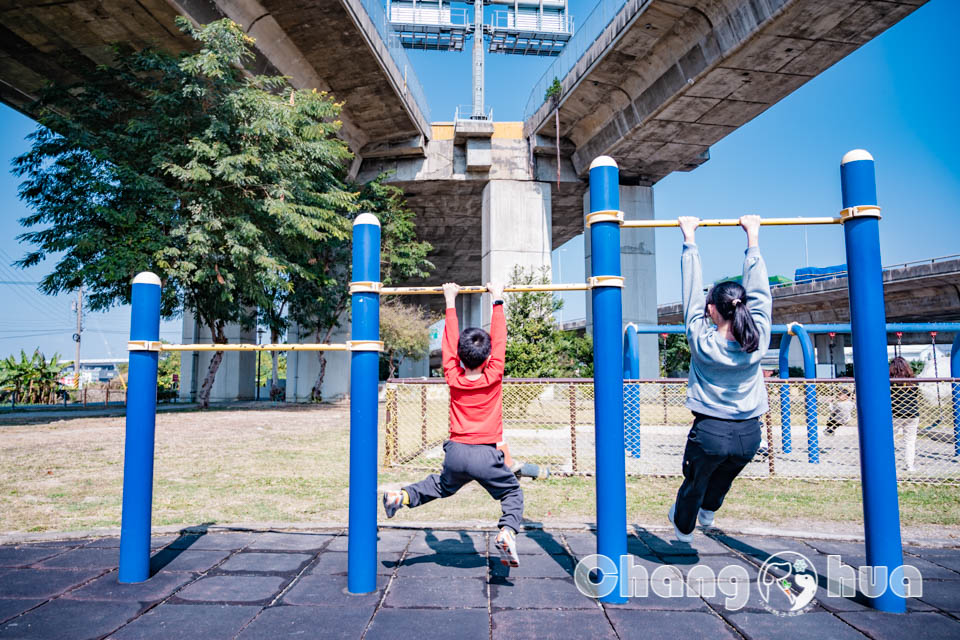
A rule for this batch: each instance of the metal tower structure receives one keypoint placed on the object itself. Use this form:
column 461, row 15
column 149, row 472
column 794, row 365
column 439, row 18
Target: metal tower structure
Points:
column 521, row 27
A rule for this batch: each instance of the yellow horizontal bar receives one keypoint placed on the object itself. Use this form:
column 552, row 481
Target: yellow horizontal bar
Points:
column 766, row 222
column 520, row 288
column 253, row 347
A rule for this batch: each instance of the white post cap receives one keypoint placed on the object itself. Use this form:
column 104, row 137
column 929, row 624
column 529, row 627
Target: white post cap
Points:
column 603, row 161
column 366, row 218
column 856, row 154
column 147, row 277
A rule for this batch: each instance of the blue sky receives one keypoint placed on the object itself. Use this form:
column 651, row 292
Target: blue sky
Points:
column 896, row 96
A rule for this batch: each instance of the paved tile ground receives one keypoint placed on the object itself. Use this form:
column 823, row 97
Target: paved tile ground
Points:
column 443, row 584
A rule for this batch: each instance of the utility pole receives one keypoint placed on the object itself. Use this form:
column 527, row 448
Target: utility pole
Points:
column 78, row 306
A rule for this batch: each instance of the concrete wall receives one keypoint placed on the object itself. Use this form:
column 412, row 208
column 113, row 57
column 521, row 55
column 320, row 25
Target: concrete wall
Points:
column 236, row 376
column 638, row 265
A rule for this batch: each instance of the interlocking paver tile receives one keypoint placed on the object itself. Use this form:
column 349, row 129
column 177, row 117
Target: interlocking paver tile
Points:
column 890, row 626
column 209, row 621
column 308, row 622
column 539, row 593
column 155, row 589
column 430, row 624
column 441, row 593
column 449, row 565
column 41, row 583
column 551, row 625
column 70, row 620
column 274, row 541
column 232, row 588
column 668, row 625
column 276, row 562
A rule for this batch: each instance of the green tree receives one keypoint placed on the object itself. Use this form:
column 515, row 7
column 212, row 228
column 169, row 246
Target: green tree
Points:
column 188, row 166
column 321, row 295
column 674, row 355
column 405, row 331
column 168, row 367
column 536, row 346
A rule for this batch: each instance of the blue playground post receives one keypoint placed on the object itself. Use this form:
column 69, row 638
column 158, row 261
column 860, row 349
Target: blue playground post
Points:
column 140, row 429
column 861, row 230
column 364, row 373
column 631, row 392
column 604, row 222
column 786, row 438
column 955, row 373
column 809, row 389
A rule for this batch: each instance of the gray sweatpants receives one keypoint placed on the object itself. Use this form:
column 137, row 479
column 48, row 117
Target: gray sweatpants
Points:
column 465, row 462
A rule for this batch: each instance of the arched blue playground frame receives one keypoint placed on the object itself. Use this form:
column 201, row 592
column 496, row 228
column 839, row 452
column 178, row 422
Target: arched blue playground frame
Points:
column 860, row 217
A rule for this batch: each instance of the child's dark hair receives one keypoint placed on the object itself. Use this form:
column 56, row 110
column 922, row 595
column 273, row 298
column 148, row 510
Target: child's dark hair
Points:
column 730, row 300
column 474, row 347
column 900, row 368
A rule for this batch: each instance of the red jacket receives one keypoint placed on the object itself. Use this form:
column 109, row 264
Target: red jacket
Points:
column 476, row 406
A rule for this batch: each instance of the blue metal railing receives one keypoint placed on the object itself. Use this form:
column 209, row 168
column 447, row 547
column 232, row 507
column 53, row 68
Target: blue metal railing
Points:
column 584, row 37
column 411, row 85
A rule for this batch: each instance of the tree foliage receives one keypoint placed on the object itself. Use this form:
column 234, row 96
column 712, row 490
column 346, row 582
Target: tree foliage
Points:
column 536, row 346
column 674, row 356
column 230, row 186
column 405, row 331
column 321, row 296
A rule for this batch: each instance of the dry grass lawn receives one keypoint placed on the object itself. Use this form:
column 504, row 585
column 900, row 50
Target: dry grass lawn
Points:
column 289, row 464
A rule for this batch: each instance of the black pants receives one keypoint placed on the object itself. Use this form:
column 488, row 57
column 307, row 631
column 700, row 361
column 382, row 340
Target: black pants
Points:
column 465, row 462
column 717, row 451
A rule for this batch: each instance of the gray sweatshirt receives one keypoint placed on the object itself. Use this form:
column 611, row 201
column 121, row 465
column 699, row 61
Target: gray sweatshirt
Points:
column 725, row 381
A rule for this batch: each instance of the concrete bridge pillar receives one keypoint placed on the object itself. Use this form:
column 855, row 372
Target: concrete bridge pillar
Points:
column 236, row 377
column 639, row 268
column 834, row 355
column 516, row 230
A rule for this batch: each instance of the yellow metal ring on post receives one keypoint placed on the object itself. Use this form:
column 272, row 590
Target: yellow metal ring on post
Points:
column 861, row 211
column 144, row 345
column 365, row 287
column 606, row 281
column 604, row 216
column 365, row 345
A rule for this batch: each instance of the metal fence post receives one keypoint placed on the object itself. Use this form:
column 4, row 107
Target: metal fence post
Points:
column 606, row 295
column 861, row 230
column 140, row 430
column 573, row 427
column 955, row 387
column 364, row 372
column 423, row 416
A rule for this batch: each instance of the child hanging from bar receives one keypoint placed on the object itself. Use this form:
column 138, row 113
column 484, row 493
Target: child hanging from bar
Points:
column 473, row 363
column 728, row 332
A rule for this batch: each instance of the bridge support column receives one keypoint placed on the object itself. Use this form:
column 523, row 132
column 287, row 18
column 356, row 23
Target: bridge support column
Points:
column 639, row 267
column 831, row 355
column 516, row 230
column 236, row 377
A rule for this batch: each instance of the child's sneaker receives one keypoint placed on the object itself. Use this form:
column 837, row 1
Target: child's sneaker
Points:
column 392, row 501
column 706, row 517
column 507, row 545
column 682, row 537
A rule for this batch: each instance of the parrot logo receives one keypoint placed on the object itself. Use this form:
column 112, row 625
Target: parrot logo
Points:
column 787, row 583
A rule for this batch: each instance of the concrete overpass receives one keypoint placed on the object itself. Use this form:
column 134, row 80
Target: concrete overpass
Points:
column 330, row 45
column 666, row 79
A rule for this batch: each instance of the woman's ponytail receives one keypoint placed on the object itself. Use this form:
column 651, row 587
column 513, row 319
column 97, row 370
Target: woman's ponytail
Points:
column 730, row 299
column 743, row 328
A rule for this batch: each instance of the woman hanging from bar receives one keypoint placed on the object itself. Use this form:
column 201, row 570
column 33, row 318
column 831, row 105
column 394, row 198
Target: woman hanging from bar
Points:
column 728, row 332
